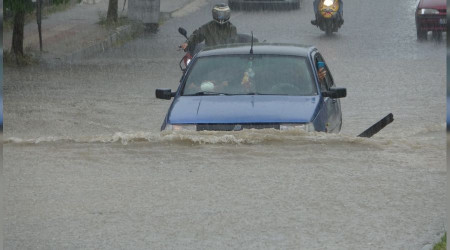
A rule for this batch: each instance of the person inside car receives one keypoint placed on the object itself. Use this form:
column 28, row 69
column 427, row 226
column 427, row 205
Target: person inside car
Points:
column 218, row 31
column 322, row 74
column 316, row 11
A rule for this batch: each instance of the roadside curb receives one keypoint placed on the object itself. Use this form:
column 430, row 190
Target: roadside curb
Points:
column 119, row 35
column 115, row 38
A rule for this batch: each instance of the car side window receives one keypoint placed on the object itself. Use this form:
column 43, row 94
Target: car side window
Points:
column 329, row 78
column 328, row 82
column 323, row 84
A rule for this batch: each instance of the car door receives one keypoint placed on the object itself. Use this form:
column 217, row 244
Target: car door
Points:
column 332, row 105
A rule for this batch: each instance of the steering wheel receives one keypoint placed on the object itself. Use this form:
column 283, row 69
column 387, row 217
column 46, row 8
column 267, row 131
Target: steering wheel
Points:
column 285, row 88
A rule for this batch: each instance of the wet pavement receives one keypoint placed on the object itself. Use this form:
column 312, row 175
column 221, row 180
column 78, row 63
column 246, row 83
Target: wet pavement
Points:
column 77, row 31
column 86, row 166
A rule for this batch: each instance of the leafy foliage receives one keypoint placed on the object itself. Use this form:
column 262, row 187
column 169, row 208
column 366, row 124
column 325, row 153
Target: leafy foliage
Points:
column 27, row 5
column 18, row 5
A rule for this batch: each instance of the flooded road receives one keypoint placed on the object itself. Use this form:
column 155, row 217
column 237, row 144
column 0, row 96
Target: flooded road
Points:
column 85, row 165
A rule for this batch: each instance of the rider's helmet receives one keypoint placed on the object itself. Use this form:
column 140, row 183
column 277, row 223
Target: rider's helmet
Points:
column 221, row 13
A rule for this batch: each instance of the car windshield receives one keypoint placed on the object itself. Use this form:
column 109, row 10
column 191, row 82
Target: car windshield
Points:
column 250, row 75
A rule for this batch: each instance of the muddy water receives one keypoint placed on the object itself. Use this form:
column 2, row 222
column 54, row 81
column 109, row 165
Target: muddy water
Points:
column 85, row 165
column 250, row 189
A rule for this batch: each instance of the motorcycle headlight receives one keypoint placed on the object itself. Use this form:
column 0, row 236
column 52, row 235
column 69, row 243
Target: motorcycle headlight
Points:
column 428, row 12
column 308, row 127
column 181, row 127
column 328, row 3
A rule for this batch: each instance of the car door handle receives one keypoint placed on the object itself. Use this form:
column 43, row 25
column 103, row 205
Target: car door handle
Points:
column 334, row 100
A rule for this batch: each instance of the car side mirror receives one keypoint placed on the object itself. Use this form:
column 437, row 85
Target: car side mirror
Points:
column 182, row 31
column 335, row 93
column 166, row 94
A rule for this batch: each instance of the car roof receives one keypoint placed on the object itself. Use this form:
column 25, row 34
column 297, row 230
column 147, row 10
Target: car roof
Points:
column 433, row 4
column 258, row 49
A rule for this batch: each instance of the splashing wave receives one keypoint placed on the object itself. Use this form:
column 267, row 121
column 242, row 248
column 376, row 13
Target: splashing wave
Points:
column 265, row 136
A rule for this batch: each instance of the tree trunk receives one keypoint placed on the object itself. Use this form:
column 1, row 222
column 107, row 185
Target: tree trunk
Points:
column 112, row 11
column 17, row 39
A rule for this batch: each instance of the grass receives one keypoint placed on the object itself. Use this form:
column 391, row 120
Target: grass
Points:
column 10, row 59
column 121, row 21
column 442, row 245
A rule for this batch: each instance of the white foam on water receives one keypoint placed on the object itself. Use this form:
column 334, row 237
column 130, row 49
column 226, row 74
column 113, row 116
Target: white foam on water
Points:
column 410, row 139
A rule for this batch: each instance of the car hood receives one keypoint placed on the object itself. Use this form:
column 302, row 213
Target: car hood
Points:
column 243, row 109
column 433, row 4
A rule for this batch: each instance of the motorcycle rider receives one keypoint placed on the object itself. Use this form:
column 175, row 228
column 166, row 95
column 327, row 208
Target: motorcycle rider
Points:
column 316, row 11
column 218, row 31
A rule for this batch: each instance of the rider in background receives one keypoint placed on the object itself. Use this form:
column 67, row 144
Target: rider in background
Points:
column 218, row 31
column 316, row 11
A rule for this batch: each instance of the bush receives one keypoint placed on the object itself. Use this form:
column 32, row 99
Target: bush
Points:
column 442, row 245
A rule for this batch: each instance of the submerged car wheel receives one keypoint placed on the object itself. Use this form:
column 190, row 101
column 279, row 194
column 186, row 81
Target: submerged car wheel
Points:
column 437, row 35
column 421, row 34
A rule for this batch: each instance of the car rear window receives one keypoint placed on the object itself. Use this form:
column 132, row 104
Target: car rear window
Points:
column 251, row 74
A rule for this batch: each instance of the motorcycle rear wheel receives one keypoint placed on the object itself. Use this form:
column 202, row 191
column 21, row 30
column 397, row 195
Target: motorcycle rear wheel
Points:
column 328, row 29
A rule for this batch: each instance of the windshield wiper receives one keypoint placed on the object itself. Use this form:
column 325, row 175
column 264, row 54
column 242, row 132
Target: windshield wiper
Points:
column 207, row 93
column 219, row 93
column 253, row 93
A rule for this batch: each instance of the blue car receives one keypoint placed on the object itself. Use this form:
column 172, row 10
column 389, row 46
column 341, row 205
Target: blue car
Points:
column 259, row 86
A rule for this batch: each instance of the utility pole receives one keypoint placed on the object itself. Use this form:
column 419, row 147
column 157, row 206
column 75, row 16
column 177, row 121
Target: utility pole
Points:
column 38, row 19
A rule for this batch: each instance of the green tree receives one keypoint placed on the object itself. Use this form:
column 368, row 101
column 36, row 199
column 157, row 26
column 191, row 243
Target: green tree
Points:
column 112, row 11
column 19, row 8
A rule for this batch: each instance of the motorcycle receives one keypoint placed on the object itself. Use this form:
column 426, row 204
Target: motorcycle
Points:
column 191, row 52
column 328, row 17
